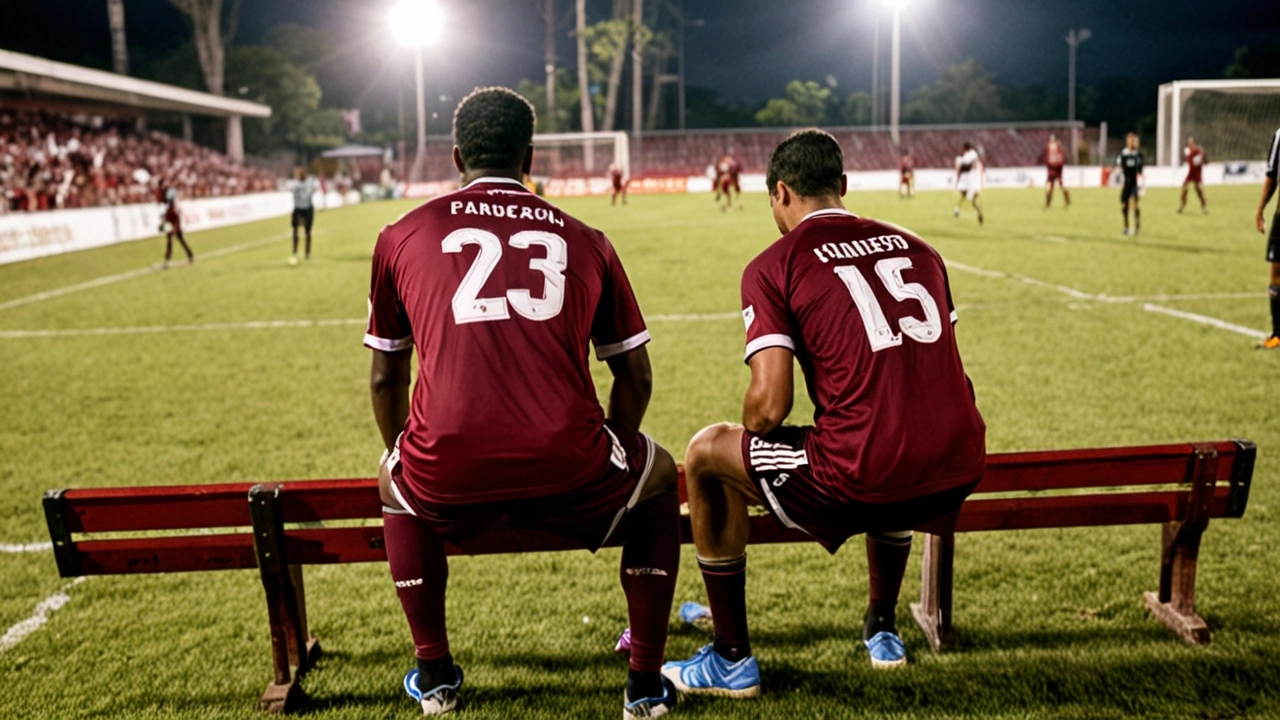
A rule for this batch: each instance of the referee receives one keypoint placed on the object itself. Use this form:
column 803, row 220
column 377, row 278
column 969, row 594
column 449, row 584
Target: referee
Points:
column 1273, row 242
column 304, row 213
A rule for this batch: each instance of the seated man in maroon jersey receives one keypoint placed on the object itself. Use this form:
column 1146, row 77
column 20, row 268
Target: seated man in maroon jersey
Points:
column 501, row 293
column 896, row 442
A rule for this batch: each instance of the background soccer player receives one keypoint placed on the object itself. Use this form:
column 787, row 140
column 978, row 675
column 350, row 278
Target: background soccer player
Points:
column 897, row 441
column 732, row 182
column 1273, row 242
column 968, row 179
column 504, row 424
column 304, row 214
column 907, row 175
column 172, row 227
column 1130, row 163
column 1195, row 163
column 1054, row 160
column 619, row 184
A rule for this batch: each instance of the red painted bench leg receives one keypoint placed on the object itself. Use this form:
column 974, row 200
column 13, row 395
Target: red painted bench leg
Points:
column 1175, row 604
column 293, row 650
column 933, row 612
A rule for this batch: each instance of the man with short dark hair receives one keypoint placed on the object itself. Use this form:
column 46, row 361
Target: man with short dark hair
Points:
column 501, row 293
column 1130, row 163
column 1054, row 160
column 1272, row 342
column 1195, row 168
column 969, row 177
column 304, row 212
column 896, row 442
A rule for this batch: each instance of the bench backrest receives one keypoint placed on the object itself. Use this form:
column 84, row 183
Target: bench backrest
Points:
column 210, row 527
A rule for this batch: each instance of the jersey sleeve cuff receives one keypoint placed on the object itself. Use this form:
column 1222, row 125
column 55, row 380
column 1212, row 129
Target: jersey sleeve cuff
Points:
column 955, row 317
column 376, row 343
column 604, row 352
column 768, row 341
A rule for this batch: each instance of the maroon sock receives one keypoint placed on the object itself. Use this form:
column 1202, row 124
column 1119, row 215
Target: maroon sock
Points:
column 421, row 572
column 726, row 582
column 886, row 564
column 650, row 561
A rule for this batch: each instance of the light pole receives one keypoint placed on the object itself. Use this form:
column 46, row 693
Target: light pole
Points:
column 875, row 74
column 1074, row 39
column 417, row 24
column 895, row 80
column 691, row 23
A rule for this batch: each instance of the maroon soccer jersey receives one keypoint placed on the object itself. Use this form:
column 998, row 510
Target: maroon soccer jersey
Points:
column 867, row 309
column 1054, row 157
column 501, row 292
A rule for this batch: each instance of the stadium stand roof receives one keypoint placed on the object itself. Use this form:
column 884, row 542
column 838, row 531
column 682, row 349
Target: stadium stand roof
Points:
column 34, row 75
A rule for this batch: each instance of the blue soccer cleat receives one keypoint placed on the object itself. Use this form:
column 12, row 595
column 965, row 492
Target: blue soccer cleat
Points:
column 706, row 673
column 696, row 614
column 887, row 651
column 650, row 707
column 438, row 700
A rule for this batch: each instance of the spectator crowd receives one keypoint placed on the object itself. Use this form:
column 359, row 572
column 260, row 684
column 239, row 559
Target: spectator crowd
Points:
column 50, row 161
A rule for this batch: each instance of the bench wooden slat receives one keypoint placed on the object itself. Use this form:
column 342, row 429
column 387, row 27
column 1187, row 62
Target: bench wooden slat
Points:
column 1102, row 467
column 175, row 507
column 186, row 553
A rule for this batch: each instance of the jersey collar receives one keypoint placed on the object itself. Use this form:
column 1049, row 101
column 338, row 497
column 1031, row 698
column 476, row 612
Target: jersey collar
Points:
column 486, row 180
column 825, row 212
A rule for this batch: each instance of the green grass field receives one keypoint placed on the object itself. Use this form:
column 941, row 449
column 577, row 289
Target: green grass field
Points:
column 1057, row 330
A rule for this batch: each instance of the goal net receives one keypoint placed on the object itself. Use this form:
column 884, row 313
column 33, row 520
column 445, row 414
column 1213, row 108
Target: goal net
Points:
column 580, row 155
column 1232, row 120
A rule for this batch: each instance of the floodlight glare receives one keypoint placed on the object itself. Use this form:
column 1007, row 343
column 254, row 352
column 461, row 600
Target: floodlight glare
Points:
column 416, row 23
column 895, row 5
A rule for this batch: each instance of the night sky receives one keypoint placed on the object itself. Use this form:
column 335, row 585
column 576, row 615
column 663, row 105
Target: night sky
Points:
column 746, row 51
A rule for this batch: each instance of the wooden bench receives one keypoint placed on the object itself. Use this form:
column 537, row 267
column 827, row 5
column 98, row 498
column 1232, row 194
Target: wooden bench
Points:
column 284, row 526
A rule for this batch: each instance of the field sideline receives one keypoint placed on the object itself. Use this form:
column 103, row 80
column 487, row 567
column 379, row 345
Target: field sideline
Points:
column 242, row 368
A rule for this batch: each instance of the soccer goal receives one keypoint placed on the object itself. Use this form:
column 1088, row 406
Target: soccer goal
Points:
column 580, row 155
column 1232, row 119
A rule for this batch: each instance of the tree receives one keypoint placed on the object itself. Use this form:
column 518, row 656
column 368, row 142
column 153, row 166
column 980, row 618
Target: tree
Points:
column 266, row 75
column 608, row 41
column 857, row 109
column 211, row 40
column 566, row 97
column 1255, row 61
column 805, row 104
column 965, row 93
column 584, row 83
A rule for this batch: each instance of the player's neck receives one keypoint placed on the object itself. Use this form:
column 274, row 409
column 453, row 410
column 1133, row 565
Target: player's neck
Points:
column 471, row 176
column 802, row 207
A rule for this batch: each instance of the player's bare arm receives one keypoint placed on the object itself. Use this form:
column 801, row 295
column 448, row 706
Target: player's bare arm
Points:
column 632, row 386
column 769, row 397
column 389, row 377
column 1268, row 189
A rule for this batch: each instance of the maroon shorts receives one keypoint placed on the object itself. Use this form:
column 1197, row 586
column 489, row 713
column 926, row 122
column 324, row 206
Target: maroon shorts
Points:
column 617, row 185
column 777, row 464
column 585, row 515
column 1193, row 175
column 1055, row 173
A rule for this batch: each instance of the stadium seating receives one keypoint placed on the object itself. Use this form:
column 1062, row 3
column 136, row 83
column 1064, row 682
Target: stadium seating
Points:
column 334, row 521
column 50, row 162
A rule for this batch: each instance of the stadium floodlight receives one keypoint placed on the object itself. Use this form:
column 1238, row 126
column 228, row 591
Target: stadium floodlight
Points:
column 416, row 23
column 895, row 5
column 895, row 79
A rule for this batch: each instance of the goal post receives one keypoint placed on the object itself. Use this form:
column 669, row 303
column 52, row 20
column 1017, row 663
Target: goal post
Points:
column 1231, row 119
column 580, row 155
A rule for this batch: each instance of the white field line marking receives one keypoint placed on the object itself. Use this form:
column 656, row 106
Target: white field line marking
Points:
column 1149, row 307
column 1102, row 297
column 44, row 609
column 26, row 547
column 273, row 325
column 1206, row 320
column 129, row 275
column 1051, row 238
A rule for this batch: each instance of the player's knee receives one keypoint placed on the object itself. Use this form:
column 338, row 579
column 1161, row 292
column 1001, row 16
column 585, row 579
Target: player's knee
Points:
column 702, row 449
column 1275, row 274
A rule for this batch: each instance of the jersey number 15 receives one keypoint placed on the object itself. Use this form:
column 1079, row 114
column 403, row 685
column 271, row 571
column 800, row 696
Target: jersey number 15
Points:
column 879, row 333
column 468, row 307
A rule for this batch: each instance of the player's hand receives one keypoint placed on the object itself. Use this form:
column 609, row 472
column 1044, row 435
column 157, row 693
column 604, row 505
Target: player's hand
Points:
column 1262, row 223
